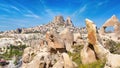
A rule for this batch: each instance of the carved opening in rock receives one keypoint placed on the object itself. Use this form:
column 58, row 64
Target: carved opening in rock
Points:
column 51, row 37
column 53, row 51
column 109, row 29
column 19, row 30
column 42, row 58
column 104, row 40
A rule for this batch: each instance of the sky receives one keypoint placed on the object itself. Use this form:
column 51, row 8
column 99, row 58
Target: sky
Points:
column 28, row 13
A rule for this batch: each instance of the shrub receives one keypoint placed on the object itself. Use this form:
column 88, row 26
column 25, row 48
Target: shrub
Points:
column 113, row 46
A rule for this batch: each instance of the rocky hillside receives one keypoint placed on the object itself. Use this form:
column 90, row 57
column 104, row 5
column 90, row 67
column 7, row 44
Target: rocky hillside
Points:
column 57, row 22
column 59, row 44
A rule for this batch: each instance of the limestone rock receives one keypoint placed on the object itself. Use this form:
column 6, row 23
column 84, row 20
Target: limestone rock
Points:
column 59, row 63
column 91, row 28
column 110, row 22
column 58, row 20
column 69, row 22
column 38, row 61
column 117, row 28
column 67, row 61
column 88, row 55
column 54, row 40
column 41, row 60
column 42, row 42
column 100, row 51
column 64, row 62
column 27, row 55
column 78, row 40
column 113, row 60
column 77, row 36
column 68, row 38
column 28, row 50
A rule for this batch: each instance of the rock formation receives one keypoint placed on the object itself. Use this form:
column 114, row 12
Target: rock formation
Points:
column 59, row 63
column 45, row 58
column 113, row 35
column 88, row 54
column 64, row 62
column 68, row 63
column 58, row 20
column 112, row 60
column 68, row 38
column 54, row 40
column 27, row 55
column 68, row 22
column 110, row 22
column 78, row 40
column 117, row 28
column 39, row 59
column 50, row 45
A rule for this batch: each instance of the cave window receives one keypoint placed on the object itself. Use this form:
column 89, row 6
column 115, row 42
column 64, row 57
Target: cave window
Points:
column 109, row 29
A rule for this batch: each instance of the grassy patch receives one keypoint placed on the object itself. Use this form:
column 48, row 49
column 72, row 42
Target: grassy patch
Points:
column 12, row 51
column 97, row 64
column 77, row 59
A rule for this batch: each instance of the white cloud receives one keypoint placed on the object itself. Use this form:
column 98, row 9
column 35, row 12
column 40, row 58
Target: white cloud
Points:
column 32, row 15
column 79, row 11
column 8, row 8
column 25, row 11
column 83, row 9
column 15, row 8
column 103, row 2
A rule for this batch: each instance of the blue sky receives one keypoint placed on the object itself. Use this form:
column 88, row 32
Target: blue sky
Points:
column 27, row 13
